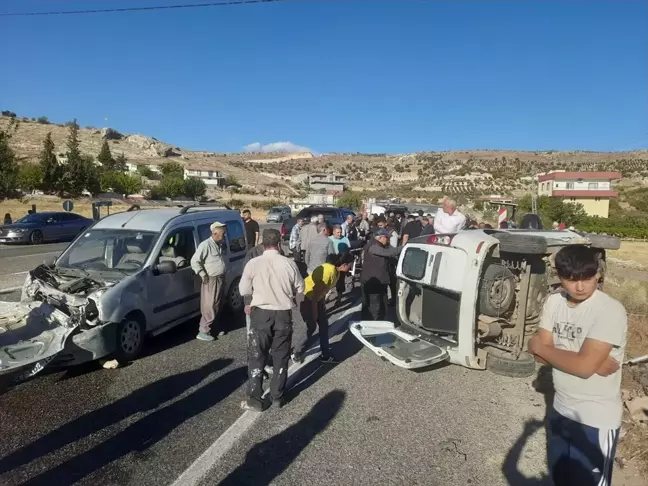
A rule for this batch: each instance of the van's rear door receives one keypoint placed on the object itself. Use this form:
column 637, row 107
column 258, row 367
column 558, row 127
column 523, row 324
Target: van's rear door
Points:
column 439, row 266
column 400, row 348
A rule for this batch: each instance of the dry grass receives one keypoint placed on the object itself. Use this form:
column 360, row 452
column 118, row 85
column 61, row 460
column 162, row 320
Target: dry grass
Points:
column 18, row 208
column 633, row 293
column 633, row 252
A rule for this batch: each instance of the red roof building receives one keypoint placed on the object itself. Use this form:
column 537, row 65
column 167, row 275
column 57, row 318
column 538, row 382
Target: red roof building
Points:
column 591, row 189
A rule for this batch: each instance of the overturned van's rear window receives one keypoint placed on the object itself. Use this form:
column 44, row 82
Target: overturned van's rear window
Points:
column 414, row 263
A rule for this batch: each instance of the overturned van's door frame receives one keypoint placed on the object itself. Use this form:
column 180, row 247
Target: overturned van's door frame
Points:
column 455, row 269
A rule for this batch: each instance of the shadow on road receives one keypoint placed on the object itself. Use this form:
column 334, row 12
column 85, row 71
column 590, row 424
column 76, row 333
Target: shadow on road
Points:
column 267, row 460
column 143, row 434
column 143, row 399
column 315, row 370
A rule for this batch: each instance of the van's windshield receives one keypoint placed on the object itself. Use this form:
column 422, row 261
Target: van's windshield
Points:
column 109, row 249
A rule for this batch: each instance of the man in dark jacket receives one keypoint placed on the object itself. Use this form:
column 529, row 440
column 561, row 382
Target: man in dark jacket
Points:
column 375, row 276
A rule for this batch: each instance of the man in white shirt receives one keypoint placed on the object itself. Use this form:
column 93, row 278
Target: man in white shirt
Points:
column 448, row 220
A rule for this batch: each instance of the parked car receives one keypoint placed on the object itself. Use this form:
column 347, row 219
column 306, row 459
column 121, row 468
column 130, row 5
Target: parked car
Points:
column 125, row 278
column 473, row 298
column 40, row 228
column 278, row 214
column 332, row 215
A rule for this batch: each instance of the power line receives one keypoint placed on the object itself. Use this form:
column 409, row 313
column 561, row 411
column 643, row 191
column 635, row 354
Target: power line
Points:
column 138, row 9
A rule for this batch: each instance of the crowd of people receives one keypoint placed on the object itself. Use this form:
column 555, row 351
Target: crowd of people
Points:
column 582, row 332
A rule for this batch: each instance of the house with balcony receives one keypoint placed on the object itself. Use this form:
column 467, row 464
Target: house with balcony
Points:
column 209, row 175
column 331, row 183
column 591, row 189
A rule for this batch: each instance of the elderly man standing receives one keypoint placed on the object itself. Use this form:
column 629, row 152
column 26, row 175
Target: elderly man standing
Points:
column 307, row 233
column 274, row 284
column 295, row 242
column 448, row 220
column 318, row 249
column 209, row 265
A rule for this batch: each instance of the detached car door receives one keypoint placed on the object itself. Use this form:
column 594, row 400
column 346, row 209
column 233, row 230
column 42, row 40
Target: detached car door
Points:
column 436, row 272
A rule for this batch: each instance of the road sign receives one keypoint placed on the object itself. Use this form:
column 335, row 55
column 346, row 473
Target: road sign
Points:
column 68, row 205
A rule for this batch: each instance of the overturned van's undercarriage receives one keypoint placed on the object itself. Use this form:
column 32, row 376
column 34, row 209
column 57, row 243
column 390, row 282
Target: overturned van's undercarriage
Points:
column 53, row 323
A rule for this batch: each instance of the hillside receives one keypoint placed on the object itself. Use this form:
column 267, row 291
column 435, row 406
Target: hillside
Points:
column 457, row 172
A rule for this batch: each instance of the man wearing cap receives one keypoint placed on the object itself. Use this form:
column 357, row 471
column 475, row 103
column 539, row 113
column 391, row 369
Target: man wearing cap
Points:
column 375, row 276
column 209, row 265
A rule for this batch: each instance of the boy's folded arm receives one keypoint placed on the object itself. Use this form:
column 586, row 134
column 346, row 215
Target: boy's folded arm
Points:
column 583, row 363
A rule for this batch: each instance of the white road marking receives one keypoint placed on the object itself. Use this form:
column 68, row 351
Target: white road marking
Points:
column 17, row 273
column 56, row 252
column 195, row 473
column 9, row 290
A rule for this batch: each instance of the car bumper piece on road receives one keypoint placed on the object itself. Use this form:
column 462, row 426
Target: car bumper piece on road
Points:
column 88, row 345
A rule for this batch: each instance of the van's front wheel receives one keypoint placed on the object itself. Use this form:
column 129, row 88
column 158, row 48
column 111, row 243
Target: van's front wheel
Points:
column 504, row 363
column 130, row 338
column 234, row 297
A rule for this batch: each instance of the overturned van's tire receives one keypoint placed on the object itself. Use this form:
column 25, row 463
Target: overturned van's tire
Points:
column 603, row 242
column 504, row 363
column 525, row 244
column 496, row 291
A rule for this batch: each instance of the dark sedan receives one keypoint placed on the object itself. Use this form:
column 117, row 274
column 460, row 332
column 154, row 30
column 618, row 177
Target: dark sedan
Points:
column 38, row 228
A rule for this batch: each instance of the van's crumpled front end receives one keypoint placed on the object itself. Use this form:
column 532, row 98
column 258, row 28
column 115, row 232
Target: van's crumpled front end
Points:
column 57, row 321
column 31, row 335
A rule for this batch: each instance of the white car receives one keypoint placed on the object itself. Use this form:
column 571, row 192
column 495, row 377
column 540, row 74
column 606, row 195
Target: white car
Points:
column 126, row 277
column 472, row 298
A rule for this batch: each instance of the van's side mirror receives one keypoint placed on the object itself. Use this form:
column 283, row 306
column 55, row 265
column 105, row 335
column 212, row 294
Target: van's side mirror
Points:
column 165, row 268
column 50, row 262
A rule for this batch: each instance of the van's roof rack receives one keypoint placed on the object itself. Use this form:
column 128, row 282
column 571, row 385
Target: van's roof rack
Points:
column 185, row 209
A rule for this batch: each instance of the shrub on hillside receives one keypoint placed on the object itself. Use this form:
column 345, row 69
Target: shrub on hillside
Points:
column 42, row 120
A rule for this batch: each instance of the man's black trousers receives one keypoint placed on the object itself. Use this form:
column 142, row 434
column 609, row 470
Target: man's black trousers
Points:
column 374, row 300
column 270, row 334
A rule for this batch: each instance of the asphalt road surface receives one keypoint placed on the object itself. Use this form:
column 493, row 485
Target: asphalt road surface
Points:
column 173, row 417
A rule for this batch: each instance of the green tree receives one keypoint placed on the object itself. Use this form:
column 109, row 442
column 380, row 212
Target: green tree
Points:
column 106, row 158
column 171, row 187
column 30, row 177
column 49, row 165
column 8, row 164
column 109, row 182
column 92, row 174
column 120, row 163
column 130, row 184
column 76, row 173
column 350, row 199
column 172, row 169
column 230, row 180
column 195, row 188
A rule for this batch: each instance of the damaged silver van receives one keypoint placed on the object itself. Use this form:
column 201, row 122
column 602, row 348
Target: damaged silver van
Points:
column 126, row 277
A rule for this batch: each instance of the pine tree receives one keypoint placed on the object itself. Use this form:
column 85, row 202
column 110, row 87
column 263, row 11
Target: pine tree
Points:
column 8, row 164
column 120, row 163
column 106, row 158
column 49, row 165
column 76, row 173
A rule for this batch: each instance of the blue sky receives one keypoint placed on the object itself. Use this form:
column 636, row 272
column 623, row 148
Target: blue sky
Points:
column 340, row 75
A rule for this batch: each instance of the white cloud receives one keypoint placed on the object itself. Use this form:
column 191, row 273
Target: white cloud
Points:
column 288, row 147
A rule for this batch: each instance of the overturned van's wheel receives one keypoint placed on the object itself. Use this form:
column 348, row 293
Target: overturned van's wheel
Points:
column 130, row 338
column 518, row 243
column 504, row 363
column 603, row 242
column 496, row 291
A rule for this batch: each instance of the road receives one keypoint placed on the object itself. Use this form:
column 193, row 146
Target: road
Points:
column 173, row 417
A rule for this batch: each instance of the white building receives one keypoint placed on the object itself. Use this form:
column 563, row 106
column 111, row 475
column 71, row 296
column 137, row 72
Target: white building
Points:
column 209, row 175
